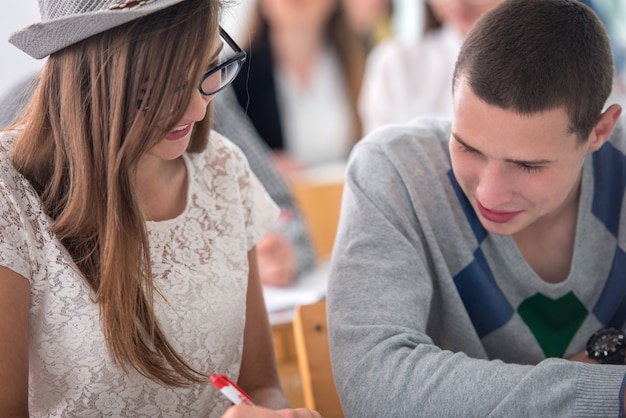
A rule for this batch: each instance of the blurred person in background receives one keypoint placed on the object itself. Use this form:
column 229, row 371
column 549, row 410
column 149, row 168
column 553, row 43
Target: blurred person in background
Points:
column 301, row 83
column 407, row 79
column 371, row 20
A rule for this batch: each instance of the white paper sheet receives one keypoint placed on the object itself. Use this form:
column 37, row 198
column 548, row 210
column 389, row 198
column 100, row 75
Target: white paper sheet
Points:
column 280, row 302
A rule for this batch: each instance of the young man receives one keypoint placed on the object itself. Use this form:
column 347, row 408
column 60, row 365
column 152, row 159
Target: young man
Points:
column 474, row 260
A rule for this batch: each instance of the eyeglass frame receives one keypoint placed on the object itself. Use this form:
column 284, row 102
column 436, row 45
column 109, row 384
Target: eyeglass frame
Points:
column 240, row 57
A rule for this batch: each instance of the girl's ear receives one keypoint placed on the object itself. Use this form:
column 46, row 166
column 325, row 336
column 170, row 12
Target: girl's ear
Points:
column 603, row 129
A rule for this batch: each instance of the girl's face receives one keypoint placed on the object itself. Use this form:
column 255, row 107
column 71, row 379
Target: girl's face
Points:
column 297, row 13
column 461, row 14
column 177, row 140
column 224, row 63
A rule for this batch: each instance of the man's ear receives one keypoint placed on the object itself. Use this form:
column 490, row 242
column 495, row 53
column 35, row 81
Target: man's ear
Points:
column 603, row 129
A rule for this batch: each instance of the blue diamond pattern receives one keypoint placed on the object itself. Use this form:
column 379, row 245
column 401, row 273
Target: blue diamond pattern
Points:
column 610, row 309
column 485, row 303
column 479, row 231
column 609, row 185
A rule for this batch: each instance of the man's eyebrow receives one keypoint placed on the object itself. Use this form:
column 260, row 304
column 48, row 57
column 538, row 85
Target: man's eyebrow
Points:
column 460, row 141
column 508, row 160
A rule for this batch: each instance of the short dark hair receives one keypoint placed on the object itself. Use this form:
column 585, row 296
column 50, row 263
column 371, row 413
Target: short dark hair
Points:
column 531, row 56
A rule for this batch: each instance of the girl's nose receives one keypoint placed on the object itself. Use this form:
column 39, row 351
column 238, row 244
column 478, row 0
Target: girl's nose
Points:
column 196, row 110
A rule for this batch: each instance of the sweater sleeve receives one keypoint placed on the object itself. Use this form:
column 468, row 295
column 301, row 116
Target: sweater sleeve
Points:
column 383, row 282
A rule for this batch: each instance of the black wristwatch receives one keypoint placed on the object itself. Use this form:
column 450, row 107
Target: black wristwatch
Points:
column 607, row 346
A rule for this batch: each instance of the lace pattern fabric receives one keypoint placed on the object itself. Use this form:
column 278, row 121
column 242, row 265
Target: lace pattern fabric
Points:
column 199, row 261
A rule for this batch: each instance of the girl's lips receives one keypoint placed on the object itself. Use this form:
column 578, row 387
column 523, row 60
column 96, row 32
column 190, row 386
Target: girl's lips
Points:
column 497, row 217
column 175, row 135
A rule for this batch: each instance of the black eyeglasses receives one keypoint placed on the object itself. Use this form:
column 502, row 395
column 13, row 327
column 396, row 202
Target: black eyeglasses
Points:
column 215, row 79
column 221, row 76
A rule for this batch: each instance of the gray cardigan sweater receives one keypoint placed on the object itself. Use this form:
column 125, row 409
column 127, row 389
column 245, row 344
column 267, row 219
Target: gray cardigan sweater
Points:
column 430, row 315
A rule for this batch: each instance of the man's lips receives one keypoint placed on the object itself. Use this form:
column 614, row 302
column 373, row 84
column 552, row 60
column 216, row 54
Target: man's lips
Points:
column 179, row 132
column 497, row 217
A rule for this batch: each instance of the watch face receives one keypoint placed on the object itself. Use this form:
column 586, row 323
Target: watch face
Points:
column 607, row 342
column 607, row 346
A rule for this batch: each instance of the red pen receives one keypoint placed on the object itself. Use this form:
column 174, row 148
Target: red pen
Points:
column 230, row 389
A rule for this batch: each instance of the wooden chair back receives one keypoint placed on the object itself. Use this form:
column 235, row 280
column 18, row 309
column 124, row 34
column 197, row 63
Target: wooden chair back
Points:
column 312, row 350
column 319, row 201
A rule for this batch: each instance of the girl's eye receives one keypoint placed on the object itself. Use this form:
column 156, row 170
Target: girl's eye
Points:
column 142, row 100
column 214, row 65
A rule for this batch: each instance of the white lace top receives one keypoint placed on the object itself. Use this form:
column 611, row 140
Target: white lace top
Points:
column 200, row 267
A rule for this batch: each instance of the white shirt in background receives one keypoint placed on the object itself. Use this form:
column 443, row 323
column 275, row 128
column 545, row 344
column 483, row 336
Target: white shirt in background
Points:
column 316, row 119
column 405, row 79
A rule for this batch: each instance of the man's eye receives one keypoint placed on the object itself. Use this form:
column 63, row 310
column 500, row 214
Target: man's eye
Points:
column 530, row 168
column 466, row 149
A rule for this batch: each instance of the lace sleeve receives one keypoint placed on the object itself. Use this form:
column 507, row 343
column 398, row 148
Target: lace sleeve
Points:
column 16, row 214
column 261, row 212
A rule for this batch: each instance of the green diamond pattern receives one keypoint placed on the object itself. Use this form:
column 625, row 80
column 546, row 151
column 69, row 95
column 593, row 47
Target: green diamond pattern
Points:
column 553, row 322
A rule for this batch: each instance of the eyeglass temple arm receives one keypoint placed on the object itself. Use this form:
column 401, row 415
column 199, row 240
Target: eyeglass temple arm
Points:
column 229, row 40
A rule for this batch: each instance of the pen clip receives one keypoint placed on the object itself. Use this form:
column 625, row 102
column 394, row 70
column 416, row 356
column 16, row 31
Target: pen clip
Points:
column 230, row 389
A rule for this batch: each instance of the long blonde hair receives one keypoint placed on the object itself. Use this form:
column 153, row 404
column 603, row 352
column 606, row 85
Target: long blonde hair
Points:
column 100, row 105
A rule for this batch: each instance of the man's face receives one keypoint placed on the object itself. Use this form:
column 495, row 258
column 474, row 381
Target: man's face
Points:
column 517, row 171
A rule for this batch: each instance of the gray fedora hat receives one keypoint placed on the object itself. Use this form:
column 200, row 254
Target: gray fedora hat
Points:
column 65, row 22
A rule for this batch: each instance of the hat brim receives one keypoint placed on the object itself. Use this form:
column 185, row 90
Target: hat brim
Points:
column 44, row 38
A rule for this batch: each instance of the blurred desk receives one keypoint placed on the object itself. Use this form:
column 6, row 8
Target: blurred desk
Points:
column 317, row 193
column 280, row 303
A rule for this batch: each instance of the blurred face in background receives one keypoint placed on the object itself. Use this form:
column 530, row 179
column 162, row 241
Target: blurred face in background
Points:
column 297, row 13
column 365, row 14
column 461, row 14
